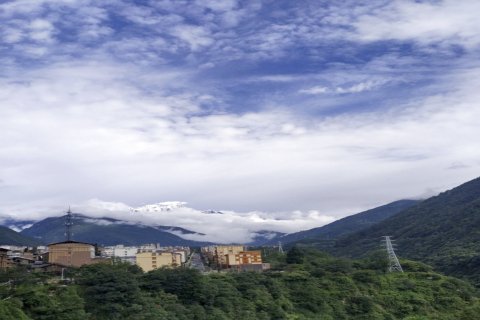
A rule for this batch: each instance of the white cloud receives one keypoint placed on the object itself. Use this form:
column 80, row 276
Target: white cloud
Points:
column 41, row 30
column 196, row 36
column 353, row 88
column 107, row 115
column 315, row 90
column 241, row 226
column 445, row 21
column 74, row 132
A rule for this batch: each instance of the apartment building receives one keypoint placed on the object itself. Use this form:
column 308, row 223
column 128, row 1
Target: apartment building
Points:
column 151, row 260
column 221, row 252
column 244, row 257
column 125, row 253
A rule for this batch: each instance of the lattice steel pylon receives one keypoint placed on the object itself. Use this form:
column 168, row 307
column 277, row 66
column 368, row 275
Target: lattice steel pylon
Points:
column 393, row 263
column 68, row 225
column 280, row 248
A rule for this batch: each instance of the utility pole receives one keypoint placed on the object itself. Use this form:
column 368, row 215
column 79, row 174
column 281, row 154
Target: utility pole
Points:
column 68, row 225
column 393, row 263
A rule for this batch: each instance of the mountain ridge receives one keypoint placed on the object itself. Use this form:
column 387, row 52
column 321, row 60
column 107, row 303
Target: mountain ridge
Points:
column 11, row 237
column 107, row 231
column 442, row 231
column 346, row 225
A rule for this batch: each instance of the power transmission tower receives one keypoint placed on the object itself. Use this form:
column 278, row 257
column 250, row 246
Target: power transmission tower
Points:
column 280, row 248
column 68, row 225
column 393, row 263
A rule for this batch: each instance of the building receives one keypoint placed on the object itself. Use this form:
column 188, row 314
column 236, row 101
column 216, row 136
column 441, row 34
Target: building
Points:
column 235, row 257
column 126, row 254
column 4, row 259
column 71, row 253
column 151, row 260
column 244, row 257
column 220, row 254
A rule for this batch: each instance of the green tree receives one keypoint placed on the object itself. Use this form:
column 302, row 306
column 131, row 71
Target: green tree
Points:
column 295, row 256
column 110, row 291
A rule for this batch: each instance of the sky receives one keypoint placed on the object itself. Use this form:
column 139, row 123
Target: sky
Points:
column 300, row 112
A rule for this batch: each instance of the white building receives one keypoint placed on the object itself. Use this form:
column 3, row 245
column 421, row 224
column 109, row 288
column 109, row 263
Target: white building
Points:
column 125, row 253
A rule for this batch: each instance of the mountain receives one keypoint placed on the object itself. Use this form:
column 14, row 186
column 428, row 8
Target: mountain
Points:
column 107, row 231
column 346, row 225
column 10, row 237
column 443, row 231
column 16, row 225
column 160, row 207
column 265, row 237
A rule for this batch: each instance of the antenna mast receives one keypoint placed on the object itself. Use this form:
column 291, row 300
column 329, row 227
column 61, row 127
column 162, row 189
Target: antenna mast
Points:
column 393, row 263
column 68, row 225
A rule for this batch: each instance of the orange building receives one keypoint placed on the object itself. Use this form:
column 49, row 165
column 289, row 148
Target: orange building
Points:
column 244, row 257
column 71, row 253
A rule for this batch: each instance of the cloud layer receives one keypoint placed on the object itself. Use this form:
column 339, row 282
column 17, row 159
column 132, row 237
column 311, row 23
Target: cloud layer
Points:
column 261, row 107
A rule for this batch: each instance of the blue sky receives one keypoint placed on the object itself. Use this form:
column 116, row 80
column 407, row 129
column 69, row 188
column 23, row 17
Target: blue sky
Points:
column 249, row 106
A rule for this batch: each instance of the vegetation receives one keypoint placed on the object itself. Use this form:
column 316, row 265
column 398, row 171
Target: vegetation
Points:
column 14, row 238
column 304, row 284
column 442, row 231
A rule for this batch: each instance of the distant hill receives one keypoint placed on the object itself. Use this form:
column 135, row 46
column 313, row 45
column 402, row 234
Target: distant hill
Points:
column 443, row 231
column 10, row 237
column 348, row 224
column 107, row 231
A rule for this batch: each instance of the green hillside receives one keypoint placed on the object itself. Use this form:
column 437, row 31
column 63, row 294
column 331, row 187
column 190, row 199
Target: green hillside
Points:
column 348, row 224
column 10, row 237
column 443, row 231
column 304, row 285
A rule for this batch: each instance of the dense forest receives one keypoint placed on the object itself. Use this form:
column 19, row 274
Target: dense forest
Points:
column 442, row 231
column 303, row 284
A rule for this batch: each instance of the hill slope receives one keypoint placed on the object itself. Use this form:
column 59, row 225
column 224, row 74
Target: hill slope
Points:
column 443, row 231
column 10, row 237
column 106, row 231
column 348, row 224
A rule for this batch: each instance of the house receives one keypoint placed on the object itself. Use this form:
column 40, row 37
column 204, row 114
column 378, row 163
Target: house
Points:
column 71, row 253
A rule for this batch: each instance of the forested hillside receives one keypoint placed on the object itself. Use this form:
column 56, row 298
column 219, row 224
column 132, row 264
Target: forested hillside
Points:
column 443, row 231
column 10, row 237
column 303, row 285
column 347, row 225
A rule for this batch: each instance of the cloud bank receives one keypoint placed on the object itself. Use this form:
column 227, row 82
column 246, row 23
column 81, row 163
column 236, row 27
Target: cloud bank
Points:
column 262, row 107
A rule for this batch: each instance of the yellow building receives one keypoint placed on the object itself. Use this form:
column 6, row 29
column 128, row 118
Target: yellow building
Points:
column 71, row 253
column 150, row 260
column 221, row 254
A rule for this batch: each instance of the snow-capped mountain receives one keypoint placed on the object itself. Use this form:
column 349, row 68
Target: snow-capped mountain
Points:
column 160, row 207
column 179, row 219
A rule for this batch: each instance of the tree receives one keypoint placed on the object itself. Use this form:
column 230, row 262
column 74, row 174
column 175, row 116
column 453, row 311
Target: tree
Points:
column 110, row 291
column 295, row 256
